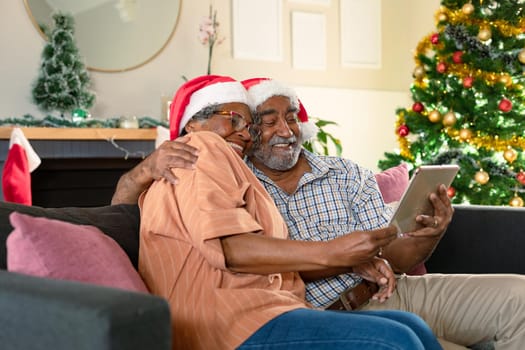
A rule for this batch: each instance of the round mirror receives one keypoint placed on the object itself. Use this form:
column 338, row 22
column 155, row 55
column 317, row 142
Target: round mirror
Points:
column 112, row 35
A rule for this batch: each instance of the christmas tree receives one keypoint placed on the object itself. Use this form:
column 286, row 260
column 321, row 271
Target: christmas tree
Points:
column 468, row 101
column 63, row 81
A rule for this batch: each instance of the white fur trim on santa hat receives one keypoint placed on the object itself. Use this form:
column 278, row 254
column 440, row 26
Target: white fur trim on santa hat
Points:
column 268, row 88
column 308, row 130
column 218, row 93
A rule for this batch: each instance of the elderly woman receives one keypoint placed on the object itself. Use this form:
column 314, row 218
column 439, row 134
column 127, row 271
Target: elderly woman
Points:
column 216, row 247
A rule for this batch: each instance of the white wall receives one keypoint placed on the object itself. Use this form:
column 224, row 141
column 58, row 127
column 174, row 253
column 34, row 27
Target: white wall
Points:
column 365, row 119
column 365, row 115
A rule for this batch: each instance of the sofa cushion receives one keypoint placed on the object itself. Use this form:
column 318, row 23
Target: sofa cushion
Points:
column 61, row 250
column 121, row 222
column 392, row 182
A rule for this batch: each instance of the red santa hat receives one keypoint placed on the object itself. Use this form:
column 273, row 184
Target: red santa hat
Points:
column 20, row 162
column 261, row 89
column 197, row 93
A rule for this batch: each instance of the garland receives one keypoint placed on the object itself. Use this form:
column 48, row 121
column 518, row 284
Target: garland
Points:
column 57, row 122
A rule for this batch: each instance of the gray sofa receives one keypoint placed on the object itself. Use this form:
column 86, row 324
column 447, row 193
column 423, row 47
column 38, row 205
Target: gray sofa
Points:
column 37, row 313
column 482, row 239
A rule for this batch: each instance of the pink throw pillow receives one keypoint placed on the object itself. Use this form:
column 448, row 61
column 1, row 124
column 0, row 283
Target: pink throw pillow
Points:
column 56, row 249
column 392, row 183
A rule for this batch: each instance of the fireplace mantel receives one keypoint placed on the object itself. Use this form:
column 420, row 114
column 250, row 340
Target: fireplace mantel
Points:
column 39, row 133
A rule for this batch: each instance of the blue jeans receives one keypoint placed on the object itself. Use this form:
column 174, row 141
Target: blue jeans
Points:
column 307, row 329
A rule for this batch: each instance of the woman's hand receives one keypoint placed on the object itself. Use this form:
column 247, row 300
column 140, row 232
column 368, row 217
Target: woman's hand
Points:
column 170, row 154
column 378, row 270
column 158, row 165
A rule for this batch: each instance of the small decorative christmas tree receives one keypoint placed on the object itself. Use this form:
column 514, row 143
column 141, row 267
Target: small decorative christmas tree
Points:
column 468, row 101
column 63, row 81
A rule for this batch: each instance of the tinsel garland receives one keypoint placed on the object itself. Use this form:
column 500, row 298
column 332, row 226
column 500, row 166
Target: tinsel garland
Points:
column 58, row 122
column 459, row 17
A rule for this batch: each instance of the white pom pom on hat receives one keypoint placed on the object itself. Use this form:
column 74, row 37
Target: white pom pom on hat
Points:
column 261, row 89
column 197, row 93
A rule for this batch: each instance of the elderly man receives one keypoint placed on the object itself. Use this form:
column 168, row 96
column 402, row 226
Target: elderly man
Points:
column 322, row 198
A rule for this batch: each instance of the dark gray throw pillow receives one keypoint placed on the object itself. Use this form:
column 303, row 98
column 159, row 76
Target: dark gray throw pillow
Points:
column 121, row 222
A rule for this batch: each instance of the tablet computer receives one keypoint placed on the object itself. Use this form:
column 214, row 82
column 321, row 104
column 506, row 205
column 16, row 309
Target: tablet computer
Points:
column 415, row 201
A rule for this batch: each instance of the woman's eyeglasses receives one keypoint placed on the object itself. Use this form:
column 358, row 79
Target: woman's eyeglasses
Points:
column 238, row 121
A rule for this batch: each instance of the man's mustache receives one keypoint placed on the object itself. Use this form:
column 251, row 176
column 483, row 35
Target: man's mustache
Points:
column 278, row 139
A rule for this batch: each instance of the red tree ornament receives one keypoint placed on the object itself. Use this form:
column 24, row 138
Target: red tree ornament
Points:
column 521, row 177
column 451, row 192
column 403, row 130
column 456, row 57
column 468, row 82
column 441, row 67
column 505, row 105
column 434, row 38
column 418, row 107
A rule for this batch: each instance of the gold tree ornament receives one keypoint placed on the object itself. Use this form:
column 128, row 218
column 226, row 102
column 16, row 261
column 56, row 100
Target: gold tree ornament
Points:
column 506, row 80
column 467, row 9
column 442, row 17
column 521, row 56
column 465, row 134
column 434, row 116
column 419, row 72
column 484, row 34
column 482, row 177
column 510, row 155
column 449, row 119
column 516, row 201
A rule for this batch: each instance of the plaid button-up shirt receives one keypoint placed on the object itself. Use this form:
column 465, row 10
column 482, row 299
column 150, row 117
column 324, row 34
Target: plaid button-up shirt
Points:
column 336, row 198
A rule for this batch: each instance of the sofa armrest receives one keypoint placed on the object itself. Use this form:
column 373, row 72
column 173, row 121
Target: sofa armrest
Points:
column 481, row 239
column 38, row 313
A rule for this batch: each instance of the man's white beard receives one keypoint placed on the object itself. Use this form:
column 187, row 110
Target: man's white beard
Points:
column 263, row 153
